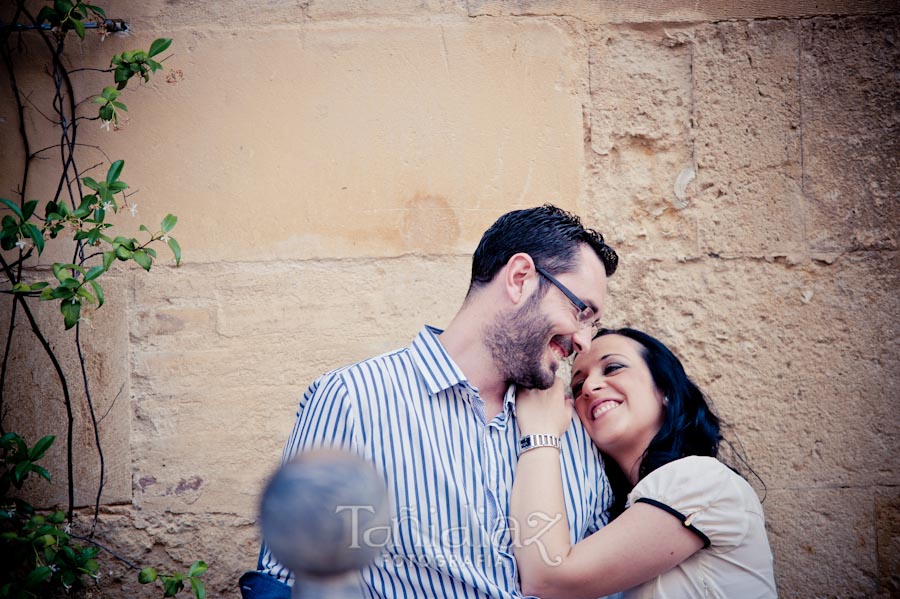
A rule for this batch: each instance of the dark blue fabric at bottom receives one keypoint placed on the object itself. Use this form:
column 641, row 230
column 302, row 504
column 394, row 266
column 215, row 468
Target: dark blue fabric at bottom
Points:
column 256, row 585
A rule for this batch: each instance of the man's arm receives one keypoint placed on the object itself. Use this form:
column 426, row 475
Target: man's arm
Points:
column 325, row 419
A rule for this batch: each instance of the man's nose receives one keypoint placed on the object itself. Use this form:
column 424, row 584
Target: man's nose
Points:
column 582, row 339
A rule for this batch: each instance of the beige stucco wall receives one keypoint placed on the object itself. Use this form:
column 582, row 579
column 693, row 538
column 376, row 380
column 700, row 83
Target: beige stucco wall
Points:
column 333, row 164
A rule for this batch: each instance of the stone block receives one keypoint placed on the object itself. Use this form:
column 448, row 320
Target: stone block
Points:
column 663, row 11
column 228, row 543
column 640, row 134
column 851, row 132
column 34, row 404
column 748, row 139
column 215, row 400
column 823, row 542
column 374, row 142
column 783, row 350
column 358, row 9
column 887, row 539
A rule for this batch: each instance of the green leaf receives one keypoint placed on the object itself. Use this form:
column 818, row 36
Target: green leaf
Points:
column 84, row 293
column 58, row 272
column 89, row 552
column 121, row 75
column 168, row 223
column 197, row 568
column 28, row 209
column 123, row 253
column 117, row 186
column 115, row 170
column 21, row 471
column 108, row 258
column 150, row 252
column 147, row 575
column 91, row 567
column 57, row 517
column 110, row 93
column 40, row 471
column 46, row 14
column 21, row 288
column 79, row 27
column 106, row 113
column 171, row 586
column 176, row 249
column 38, row 575
column 99, row 291
column 71, row 312
column 47, row 294
column 40, row 448
column 159, row 45
column 36, row 236
column 12, row 207
column 199, row 589
column 94, row 272
column 89, row 182
column 141, row 257
column 61, row 293
column 97, row 10
column 120, row 106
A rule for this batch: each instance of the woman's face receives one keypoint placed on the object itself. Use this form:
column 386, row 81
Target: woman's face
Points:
column 615, row 396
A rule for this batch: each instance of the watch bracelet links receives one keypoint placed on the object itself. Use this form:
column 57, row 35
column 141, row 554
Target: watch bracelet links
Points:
column 529, row 442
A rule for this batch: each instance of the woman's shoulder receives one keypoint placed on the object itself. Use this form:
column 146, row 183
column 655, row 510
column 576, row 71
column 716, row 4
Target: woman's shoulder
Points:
column 707, row 493
column 690, row 479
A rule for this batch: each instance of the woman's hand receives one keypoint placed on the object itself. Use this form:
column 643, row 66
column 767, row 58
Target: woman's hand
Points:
column 546, row 411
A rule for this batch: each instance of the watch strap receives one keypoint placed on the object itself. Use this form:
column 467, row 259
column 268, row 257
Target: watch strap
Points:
column 529, row 442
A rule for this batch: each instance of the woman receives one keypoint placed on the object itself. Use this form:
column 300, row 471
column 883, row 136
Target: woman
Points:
column 684, row 525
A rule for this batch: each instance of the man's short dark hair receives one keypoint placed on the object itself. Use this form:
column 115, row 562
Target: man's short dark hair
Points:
column 550, row 235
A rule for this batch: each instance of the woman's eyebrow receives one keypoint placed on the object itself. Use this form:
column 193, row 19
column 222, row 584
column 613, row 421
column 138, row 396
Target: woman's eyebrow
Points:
column 577, row 372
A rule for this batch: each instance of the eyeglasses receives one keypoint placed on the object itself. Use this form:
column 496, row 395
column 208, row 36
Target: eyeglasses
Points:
column 586, row 314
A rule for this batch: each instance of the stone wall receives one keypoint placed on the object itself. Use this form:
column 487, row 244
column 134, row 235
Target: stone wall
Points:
column 333, row 164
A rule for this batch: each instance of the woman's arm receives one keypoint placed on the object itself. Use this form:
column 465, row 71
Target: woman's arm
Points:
column 639, row 545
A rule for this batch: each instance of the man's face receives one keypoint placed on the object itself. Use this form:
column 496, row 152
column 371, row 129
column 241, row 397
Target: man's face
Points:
column 528, row 344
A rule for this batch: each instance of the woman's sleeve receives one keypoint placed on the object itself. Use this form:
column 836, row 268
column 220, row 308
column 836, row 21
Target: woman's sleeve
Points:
column 704, row 494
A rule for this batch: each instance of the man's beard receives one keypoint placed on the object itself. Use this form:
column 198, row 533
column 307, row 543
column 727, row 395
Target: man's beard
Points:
column 518, row 342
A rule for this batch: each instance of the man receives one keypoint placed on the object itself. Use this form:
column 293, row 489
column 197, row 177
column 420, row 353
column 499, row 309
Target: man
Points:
column 437, row 419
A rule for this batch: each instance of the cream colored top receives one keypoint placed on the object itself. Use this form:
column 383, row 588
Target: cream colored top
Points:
column 724, row 510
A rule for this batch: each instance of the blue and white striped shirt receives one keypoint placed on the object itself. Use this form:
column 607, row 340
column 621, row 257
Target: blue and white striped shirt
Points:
column 449, row 473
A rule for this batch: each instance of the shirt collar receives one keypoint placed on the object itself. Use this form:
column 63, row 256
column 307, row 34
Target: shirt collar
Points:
column 437, row 368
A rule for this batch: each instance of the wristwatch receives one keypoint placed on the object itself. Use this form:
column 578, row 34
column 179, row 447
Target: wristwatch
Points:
column 533, row 441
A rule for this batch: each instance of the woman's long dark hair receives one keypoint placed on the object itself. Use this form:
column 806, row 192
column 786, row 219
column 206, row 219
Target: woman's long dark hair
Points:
column 689, row 425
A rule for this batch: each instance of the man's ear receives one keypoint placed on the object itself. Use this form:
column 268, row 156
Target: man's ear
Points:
column 519, row 277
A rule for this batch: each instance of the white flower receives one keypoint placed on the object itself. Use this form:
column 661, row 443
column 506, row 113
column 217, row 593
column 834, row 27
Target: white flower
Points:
column 164, row 238
column 75, row 299
column 21, row 244
column 53, row 568
column 107, row 205
column 104, row 124
column 133, row 209
column 68, row 528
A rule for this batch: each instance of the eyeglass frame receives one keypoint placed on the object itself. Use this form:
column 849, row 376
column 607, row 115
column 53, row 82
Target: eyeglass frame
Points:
column 585, row 313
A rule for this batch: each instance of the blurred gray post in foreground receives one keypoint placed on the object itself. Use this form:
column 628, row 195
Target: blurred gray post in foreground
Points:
column 324, row 515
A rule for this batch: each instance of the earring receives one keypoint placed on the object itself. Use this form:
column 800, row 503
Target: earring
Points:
column 666, row 400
